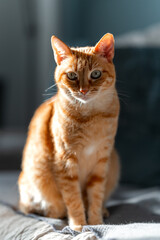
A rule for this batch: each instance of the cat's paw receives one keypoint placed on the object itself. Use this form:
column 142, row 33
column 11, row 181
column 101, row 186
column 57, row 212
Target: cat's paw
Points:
column 77, row 225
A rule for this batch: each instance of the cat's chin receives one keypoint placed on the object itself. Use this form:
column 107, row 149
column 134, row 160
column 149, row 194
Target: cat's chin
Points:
column 83, row 99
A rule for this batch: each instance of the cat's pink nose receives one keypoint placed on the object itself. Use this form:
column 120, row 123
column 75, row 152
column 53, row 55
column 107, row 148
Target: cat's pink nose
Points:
column 84, row 91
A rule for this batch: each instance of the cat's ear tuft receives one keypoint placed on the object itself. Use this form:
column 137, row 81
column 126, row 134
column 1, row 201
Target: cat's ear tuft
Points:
column 60, row 49
column 105, row 47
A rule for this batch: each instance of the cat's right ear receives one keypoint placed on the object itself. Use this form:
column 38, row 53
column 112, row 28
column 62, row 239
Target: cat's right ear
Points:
column 60, row 49
column 105, row 47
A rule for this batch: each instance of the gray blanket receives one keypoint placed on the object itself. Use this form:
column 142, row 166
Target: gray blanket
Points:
column 134, row 214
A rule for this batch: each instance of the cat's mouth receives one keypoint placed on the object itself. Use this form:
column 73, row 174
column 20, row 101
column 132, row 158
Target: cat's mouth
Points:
column 83, row 98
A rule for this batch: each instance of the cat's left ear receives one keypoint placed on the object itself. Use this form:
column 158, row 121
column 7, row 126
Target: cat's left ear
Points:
column 105, row 47
column 60, row 49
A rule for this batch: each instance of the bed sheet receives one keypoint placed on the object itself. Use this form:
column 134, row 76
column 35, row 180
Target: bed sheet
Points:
column 134, row 214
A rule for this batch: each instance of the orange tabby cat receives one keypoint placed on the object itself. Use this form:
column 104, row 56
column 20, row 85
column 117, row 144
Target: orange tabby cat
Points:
column 69, row 164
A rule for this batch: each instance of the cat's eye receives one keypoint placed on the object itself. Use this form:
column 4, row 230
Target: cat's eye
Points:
column 96, row 74
column 72, row 75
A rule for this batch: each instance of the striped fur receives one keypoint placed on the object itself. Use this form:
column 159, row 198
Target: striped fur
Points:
column 70, row 166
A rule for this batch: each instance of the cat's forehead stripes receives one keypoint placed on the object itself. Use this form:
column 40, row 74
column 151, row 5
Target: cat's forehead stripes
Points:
column 87, row 50
column 84, row 58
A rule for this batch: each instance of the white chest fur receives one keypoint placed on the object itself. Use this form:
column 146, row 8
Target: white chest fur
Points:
column 90, row 149
column 88, row 158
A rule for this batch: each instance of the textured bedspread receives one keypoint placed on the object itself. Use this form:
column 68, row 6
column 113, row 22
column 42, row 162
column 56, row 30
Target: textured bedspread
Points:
column 134, row 214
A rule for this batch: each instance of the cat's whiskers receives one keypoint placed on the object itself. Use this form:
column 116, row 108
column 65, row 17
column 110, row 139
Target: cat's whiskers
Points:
column 112, row 93
column 68, row 94
column 47, row 94
column 122, row 100
column 50, row 101
column 51, row 87
column 121, row 96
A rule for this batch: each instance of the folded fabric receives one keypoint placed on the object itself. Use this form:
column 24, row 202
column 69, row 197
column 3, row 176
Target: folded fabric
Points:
column 14, row 225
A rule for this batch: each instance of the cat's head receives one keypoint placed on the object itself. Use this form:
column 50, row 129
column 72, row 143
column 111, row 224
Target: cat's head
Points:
column 84, row 73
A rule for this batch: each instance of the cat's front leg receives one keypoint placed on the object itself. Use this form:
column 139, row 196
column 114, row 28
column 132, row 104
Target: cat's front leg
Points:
column 69, row 184
column 95, row 192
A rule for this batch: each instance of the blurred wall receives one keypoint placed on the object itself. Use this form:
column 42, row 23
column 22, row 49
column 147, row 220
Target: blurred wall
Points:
column 26, row 61
column 120, row 17
column 25, row 56
column 90, row 19
column 12, row 63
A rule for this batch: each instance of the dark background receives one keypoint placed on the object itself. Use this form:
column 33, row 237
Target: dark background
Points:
column 27, row 67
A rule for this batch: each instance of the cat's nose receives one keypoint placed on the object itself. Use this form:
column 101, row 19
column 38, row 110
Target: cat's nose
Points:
column 84, row 91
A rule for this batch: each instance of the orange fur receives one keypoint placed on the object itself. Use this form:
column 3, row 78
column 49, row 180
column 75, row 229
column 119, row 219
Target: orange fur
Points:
column 69, row 166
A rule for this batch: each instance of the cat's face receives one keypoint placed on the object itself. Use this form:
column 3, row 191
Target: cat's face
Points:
column 85, row 73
